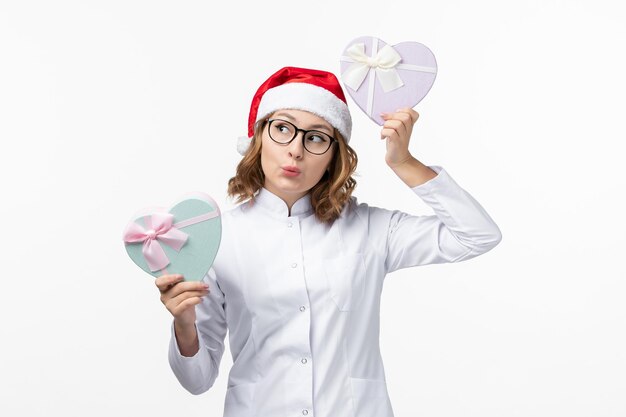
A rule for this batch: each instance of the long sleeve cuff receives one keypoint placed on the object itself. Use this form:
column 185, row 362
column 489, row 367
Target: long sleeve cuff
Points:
column 191, row 371
column 439, row 180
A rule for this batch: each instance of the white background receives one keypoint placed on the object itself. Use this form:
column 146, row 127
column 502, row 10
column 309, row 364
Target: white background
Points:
column 107, row 107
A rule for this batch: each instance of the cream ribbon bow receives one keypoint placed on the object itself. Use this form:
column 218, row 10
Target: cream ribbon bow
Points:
column 383, row 62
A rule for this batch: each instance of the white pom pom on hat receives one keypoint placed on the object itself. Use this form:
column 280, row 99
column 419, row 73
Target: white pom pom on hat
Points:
column 243, row 143
column 315, row 91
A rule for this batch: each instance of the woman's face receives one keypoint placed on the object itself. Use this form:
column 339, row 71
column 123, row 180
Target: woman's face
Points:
column 290, row 170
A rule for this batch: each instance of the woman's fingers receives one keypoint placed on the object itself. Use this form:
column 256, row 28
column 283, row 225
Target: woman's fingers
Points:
column 188, row 303
column 177, row 295
column 183, row 301
column 177, row 304
column 413, row 115
column 165, row 282
column 400, row 123
column 180, row 298
column 173, row 285
column 183, row 287
column 392, row 127
column 407, row 115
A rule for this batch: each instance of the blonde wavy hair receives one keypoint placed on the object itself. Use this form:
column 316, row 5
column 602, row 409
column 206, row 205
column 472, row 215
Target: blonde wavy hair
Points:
column 328, row 196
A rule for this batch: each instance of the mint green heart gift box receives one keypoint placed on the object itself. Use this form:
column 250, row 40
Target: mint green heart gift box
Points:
column 181, row 240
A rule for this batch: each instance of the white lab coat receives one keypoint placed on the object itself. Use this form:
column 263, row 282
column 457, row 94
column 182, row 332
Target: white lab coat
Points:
column 301, row 300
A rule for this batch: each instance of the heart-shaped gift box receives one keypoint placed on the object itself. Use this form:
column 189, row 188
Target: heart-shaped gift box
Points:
column 382, row 78
column 182, row 240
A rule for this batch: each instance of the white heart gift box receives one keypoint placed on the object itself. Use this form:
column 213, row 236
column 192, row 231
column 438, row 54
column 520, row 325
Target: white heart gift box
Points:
column 382, row 78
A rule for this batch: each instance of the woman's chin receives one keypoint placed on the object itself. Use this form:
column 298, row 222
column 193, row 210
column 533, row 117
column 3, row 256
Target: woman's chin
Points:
column 287, row 186
column 290, row 182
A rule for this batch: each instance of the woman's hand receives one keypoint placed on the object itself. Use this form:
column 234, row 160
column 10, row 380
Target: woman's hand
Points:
column 397, row 130
column 180, row 297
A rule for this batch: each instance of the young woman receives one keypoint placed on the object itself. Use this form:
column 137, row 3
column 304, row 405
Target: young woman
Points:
column 299, row 274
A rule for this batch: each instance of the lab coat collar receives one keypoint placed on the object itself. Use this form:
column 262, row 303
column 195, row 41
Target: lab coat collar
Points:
column 274, row 204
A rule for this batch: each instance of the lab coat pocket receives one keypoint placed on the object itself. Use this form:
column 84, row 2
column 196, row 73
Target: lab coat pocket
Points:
column 239, row 401
column 371, row 398
column 345, row 276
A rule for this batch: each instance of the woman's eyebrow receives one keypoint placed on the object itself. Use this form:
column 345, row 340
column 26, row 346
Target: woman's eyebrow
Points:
column 291, row 118
column 317, row 127
column 288, row 116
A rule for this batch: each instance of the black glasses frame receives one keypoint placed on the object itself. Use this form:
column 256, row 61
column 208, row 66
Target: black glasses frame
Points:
column 304, row 133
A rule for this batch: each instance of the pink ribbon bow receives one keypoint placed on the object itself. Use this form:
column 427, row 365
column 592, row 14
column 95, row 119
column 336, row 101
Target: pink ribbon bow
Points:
column 160, row 229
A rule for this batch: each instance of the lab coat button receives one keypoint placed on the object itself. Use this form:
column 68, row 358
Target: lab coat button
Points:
column 302, row 308
column 293, row 265
column 289, row 224
column 305, row 412
column 303, row 360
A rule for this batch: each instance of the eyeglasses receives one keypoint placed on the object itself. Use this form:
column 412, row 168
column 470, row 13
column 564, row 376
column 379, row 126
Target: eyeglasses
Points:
column 314, row 141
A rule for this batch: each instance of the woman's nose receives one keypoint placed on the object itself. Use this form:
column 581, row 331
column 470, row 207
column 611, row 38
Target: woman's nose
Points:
column 296, row 147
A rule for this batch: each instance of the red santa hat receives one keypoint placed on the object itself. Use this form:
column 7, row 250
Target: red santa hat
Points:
column 315, row 91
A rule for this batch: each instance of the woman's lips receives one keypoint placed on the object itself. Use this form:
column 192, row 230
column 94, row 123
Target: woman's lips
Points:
column 291, row 171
